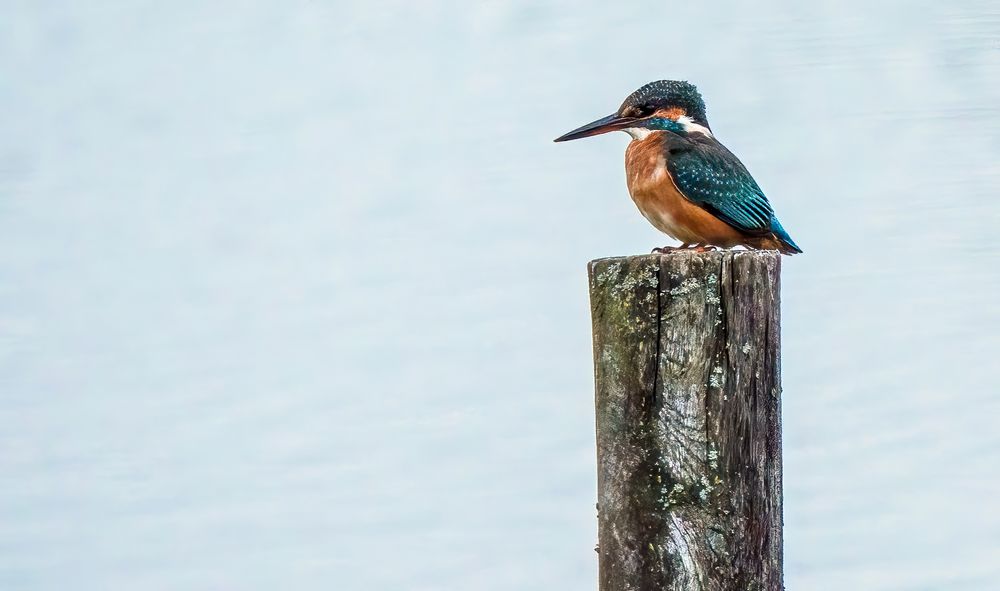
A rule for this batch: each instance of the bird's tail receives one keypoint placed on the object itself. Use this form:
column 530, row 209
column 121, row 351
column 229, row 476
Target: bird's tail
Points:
column 787, row 245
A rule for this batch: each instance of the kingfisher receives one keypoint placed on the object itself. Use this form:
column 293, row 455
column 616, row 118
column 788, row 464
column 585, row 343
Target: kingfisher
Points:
column 686, row 183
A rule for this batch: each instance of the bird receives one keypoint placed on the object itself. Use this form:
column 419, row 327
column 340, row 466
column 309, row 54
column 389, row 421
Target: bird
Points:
column 683, row 180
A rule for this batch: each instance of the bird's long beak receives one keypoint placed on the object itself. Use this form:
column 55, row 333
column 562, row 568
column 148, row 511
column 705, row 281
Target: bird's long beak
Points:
column 612, row 122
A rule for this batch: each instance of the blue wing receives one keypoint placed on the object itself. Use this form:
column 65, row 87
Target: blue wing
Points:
column 711, row 176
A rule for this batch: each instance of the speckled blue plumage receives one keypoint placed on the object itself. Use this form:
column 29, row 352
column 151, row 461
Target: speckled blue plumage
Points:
column 711, row 176
column 665, row 93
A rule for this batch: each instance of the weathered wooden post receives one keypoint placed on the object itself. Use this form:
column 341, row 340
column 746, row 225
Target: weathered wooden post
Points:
column 686, row 356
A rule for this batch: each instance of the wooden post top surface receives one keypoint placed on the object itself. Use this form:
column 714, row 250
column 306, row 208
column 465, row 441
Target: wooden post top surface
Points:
column 680, row 254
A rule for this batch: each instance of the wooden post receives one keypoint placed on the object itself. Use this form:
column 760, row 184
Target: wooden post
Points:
column 686, row 357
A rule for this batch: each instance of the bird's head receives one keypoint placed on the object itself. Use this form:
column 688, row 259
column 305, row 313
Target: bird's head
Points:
column 664, row 105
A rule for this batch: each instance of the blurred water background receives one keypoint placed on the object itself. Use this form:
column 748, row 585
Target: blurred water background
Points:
column 293, row 294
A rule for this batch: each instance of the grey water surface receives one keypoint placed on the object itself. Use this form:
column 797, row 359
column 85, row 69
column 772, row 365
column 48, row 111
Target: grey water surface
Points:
column 293, row 293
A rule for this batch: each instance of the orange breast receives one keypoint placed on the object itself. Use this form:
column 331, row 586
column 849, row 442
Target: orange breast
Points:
column 659, row 200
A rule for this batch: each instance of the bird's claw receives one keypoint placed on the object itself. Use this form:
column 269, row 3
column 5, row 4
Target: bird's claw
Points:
column 688, row 247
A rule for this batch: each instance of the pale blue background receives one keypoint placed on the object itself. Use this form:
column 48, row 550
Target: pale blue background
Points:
column 293, row 296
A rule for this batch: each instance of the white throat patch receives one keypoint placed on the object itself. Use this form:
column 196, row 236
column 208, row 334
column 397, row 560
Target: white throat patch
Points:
column 638, row 133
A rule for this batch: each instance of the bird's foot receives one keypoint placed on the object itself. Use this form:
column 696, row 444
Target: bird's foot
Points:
column 669, row 249
column 685, row 246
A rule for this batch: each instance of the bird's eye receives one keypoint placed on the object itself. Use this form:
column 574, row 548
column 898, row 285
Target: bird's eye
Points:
column 637, row 111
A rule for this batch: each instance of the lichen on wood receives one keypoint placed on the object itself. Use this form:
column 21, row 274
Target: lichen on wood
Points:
column 688, row 421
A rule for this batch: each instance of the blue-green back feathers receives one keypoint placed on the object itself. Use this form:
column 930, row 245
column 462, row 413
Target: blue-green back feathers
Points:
column 711, row 176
